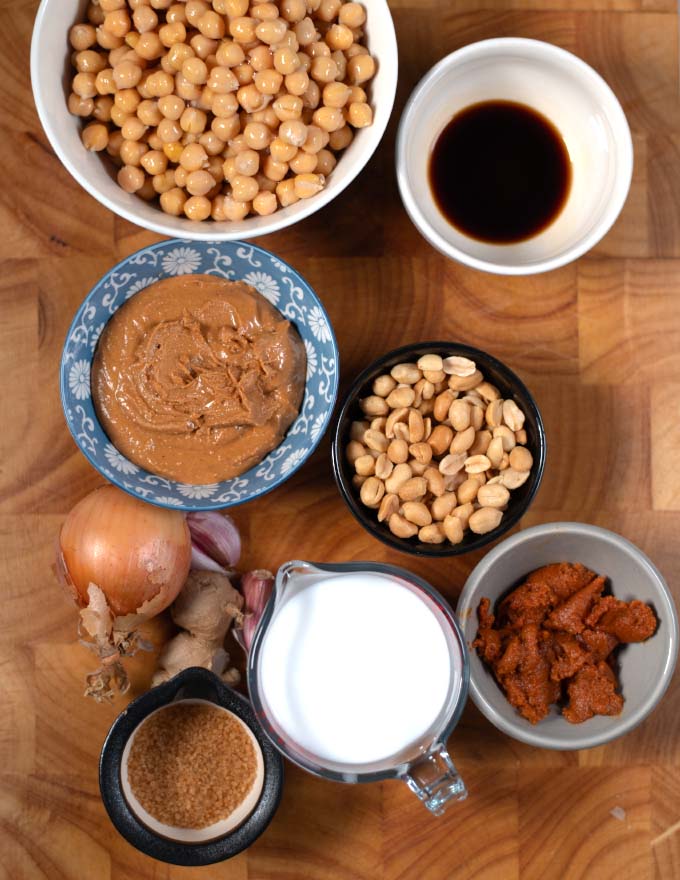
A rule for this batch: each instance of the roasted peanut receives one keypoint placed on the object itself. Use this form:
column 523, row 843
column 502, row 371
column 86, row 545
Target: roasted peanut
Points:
column 401, row 527
column 432, row 534
column 513, row 479
column 388, row 506
column 435, row 481
column 416, row 426
column 521, row 459
column 421, row 452
column 378, row 424
column 476, row 417
column 417, row 467
column 413, row 489
column 383, row 385
column 440, row 439
column 400, row 431
column 441, row 507
column 416, row 512
column 494, row 495
column 372, row 492
column 521, row 437
column 383, row 466
column 481, row 444
column 507, row 437
column 434, row 377
column 427, row 425
column 427, row 390
column 402, row 395
column 488, row 391
column 513, row 415
column 463, row 512
column 484, row 520
column 397, row 451
column 459, row 366
column 453, row 529
column 426, row 407
column 495, row 452
column 442, row 405
column 374, row 406
column 357, row 430
column 430, row 362
column 459, row 415
column 408, row 374
column 467, row 491
column 463, row 440
column 477, row 464
column 354, row 451
column 451, row 464
column 376, row 440
column 358, row 481
column 397, row 415
column 400, row 474
column 465, row 383
column 494, row 413
column 365, row 465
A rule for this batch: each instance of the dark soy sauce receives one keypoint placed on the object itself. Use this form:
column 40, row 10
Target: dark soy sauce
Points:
column 500, row 172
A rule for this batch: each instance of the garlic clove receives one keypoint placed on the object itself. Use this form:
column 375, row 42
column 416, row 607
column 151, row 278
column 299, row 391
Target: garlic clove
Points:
column 215, row 535
column 256, row 587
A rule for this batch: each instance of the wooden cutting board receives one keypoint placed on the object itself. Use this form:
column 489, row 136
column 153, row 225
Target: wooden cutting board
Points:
column 598, row 342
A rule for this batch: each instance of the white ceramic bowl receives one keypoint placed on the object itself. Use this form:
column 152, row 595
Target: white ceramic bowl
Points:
column 565, row 90
column 50, row 78
column 645, row 669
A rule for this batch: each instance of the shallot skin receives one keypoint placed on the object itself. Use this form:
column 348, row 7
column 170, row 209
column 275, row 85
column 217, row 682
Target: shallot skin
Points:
column 137, row 554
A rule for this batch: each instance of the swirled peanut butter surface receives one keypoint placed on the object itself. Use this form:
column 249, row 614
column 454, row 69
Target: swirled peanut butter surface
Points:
column 196, row 378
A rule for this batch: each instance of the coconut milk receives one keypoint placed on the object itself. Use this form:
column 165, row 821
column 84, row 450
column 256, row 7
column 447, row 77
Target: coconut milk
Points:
column 358, row 668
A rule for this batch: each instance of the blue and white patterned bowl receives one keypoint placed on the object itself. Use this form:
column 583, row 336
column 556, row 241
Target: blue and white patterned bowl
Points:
column 275, row 280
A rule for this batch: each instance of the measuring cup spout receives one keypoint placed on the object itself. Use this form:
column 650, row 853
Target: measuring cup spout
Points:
column 435, row 781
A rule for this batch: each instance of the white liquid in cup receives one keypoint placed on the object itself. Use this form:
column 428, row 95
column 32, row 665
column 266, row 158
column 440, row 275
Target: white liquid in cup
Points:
column 358, row 668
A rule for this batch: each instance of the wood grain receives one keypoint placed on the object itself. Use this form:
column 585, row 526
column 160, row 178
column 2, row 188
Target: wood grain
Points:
column 599, row 344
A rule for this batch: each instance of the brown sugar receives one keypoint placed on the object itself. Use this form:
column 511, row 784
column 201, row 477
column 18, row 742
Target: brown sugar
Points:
column 551, row 640
column 191, row 765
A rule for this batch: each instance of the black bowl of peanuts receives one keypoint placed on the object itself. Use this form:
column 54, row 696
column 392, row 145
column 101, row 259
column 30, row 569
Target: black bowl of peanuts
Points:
column 438, row 449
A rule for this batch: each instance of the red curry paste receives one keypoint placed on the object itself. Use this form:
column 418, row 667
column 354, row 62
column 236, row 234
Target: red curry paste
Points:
column 552, row 640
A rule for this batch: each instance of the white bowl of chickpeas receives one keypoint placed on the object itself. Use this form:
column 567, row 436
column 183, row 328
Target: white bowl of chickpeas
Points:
column 214, row 119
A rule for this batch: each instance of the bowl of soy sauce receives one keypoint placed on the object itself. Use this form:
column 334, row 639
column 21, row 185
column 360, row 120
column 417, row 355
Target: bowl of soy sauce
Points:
column 513, row 156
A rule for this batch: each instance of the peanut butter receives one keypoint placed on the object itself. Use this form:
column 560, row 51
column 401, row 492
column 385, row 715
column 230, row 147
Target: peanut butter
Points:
column 197, row 379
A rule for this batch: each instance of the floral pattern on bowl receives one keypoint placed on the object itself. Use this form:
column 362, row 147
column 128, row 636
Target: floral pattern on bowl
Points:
column 276, row 281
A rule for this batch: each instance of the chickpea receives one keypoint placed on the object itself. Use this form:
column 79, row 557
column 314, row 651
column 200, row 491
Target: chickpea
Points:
column 194, row 10
column 251, row 99
column 144, row 19
column 329, row 9
column 95, row 14
column 293, row 10
column 280, row 151
column 176, row 12
column 329, row 118
column 341, row 139
column 81, row 106
column 133, row 129
column 171, row 106
column 264, row 11
column 285, row 193
column 160, row 4
column 222, row 80
column 233, row 209
column 199, row 183
column 82, row 36
column 268, row 82
column 230, row 54
column 305, row 32
column 285, row 60
column 126, row 75
column 261, row 58
column 305, row 61
column 173, row 150
column 149, row 46
column 95, row 137
column 266, row 116
column 312, row 96
column 341, row 64
column 111, row 5
column 294, row 132
column 325, row 162
column 274, row 170
column 169, row 130
column 247, row 163
column 324, row 69
column 287, row 107
column 319, row 49
column 317, row 139
column 297, row 83
column 257, row 135
column 107, row 40
column 265, row 183
column 193, row 158
column 173, row 201
column 102, row 108
column 234, row 8
column 303, row 163
column 360, row 69
column 193, row 120
column 336, row 94
column 359, row 115
column 114, row 144
column 211, row 25
column 271, row 32
column 181, row 175
column 226, row 127
column 352, row 15
column 339, row 36
column 117, row 23
column 89, row 61
column 203, row 46
column 242, row 29
column 84, row 85
column 307, row 185
column 131, row 152
column 195, row 70
column 104, row 83
column 244, row 188
column 264, row 203
column 357, row 95
column 130, row 178
column 244, row 73
column 154, row 162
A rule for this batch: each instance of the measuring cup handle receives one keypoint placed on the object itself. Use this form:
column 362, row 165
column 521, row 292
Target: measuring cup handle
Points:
column 435, row 780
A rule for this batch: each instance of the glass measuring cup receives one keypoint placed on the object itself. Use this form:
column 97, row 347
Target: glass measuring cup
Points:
column 425, row 765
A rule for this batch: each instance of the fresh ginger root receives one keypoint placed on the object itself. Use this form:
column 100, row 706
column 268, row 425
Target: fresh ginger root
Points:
column 205, row 610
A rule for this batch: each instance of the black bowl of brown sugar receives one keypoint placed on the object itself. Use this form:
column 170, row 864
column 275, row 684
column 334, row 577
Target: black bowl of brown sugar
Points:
column 187, row 774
